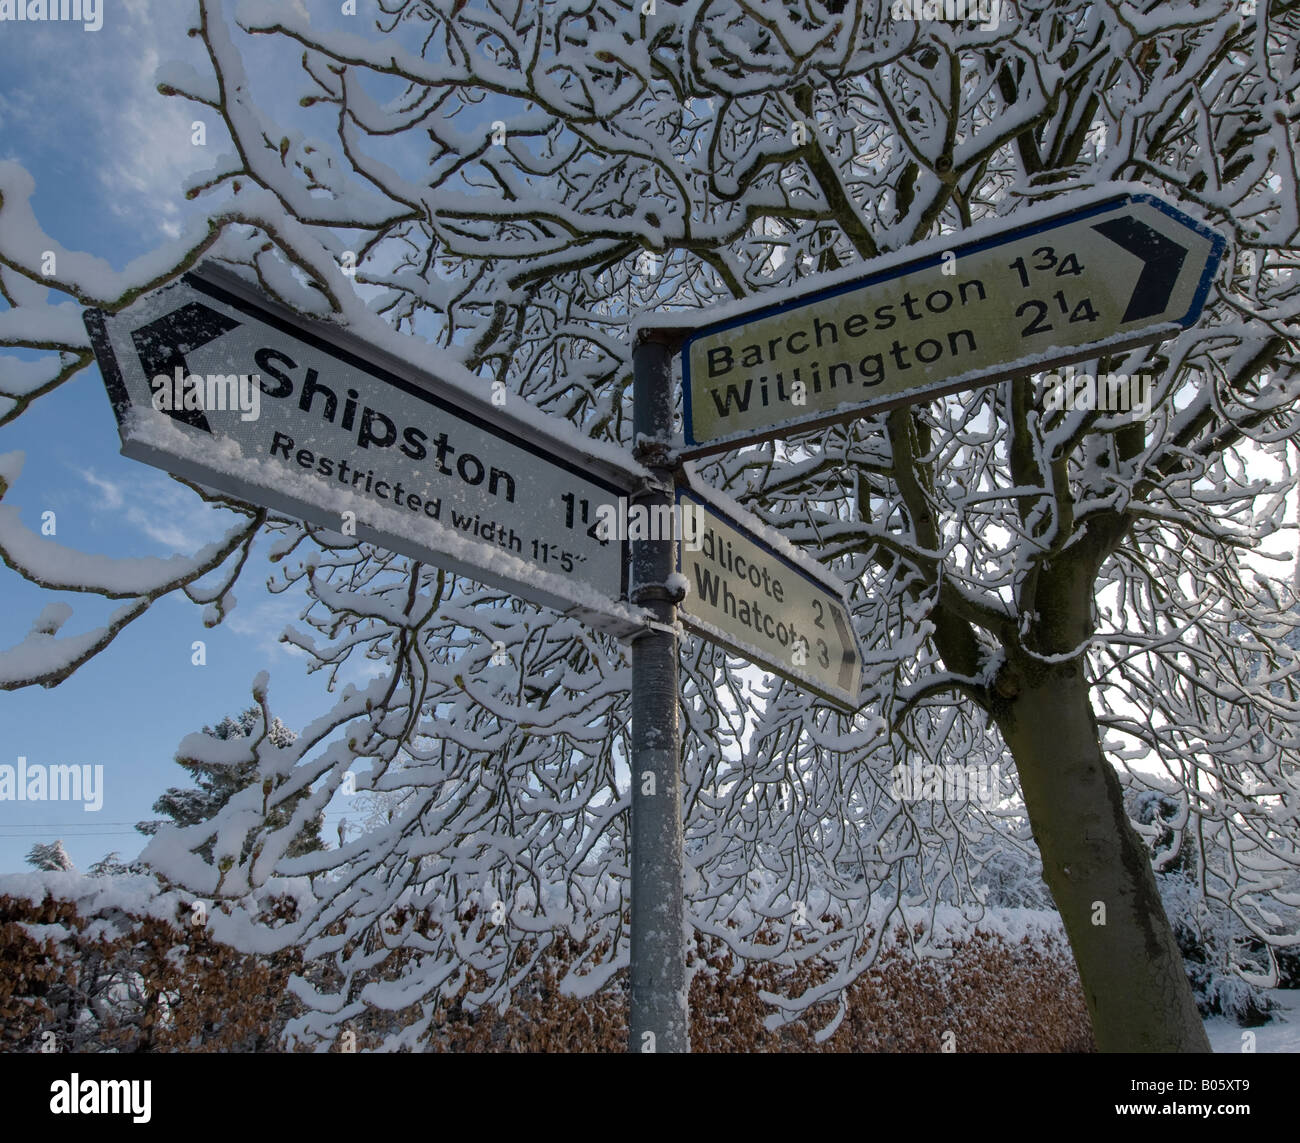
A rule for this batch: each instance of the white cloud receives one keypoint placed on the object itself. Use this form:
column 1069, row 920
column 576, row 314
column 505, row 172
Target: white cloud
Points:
column 110, row 493
column 263, row 623
column 166, row 512
column 90, row 99
column 20, row 107
column 148, row 153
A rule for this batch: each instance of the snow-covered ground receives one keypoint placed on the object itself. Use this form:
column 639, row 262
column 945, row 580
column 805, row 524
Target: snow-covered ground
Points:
column 1281, row 1034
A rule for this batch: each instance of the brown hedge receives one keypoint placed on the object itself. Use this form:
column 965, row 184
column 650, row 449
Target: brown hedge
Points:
column 168, row 987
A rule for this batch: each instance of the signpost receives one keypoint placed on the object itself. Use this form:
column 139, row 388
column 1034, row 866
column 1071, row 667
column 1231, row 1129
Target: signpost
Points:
column 209, row 380
column 745, row 588
column 749, row 591
column 1127, row 270
column 215, row 383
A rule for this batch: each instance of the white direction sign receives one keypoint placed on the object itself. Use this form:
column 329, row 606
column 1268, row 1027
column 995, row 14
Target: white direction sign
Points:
column 751, row 592
column 215, row 383
column 1127, row 270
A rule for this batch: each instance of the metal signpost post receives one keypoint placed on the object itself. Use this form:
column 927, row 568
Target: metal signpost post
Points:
column 1123, row 271
column 748, row 591
column 658, row 1015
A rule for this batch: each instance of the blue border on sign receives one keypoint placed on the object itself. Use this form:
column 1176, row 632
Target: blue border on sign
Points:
column 1218, row 245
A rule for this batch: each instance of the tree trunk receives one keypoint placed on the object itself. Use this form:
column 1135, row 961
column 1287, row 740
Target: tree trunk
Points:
column 1095, row 864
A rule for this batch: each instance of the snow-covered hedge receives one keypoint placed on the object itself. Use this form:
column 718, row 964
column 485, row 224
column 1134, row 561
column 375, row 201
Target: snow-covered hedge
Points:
column 118, row 964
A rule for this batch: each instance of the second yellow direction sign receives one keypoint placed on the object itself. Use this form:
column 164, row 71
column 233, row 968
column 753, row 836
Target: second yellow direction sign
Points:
column 751, row 592
column 1126, row 270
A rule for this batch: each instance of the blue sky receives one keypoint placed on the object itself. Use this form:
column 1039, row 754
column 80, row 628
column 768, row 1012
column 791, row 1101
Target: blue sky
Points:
column 79, row 111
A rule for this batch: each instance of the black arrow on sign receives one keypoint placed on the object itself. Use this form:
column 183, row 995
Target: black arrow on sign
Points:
column 1163, row 257
column 162, row 345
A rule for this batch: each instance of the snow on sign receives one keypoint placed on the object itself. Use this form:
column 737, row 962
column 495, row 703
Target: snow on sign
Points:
column 1105, row 275
column 751, row 592
column 215, row 383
